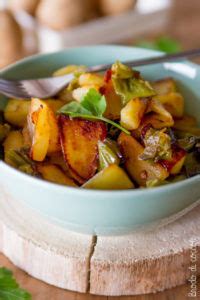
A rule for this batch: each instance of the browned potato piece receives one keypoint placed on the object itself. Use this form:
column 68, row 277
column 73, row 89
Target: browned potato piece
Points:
column 139, row 170
column 159, row 117
column 14, row 141
column 91, row 79
column 54, row 174
column 16, row 112
column 57, row 158
column 132, row 113
column 55, row 104
column 39, row 129
column 43, row 130
column 164, row 86
column 173, row 103
column 54, row 140
column 111, row 178
column 79, row 140
column 187, row 124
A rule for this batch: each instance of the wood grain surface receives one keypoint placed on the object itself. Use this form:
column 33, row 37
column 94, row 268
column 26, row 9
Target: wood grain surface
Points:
column 43, row 291
column 184, row 25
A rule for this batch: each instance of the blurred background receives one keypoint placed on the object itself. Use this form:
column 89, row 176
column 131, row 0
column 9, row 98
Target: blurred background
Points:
column 38, row 26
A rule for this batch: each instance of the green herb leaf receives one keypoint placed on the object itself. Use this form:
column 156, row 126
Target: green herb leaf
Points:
column 89, row 109
column 128, row 84
column 94, row 102
column 9, row 288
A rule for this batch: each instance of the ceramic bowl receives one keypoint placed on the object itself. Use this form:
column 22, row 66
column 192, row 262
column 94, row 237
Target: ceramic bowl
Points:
column 94, row 211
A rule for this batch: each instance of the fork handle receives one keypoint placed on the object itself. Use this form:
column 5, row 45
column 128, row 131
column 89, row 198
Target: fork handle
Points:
column 150, row 61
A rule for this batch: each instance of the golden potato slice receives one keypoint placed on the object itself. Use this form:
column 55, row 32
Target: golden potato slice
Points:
column 16, row 112
column 111, row 178
column 173, row 103
column 55, row 104
column 88, row 79
column 39, row 128
column 54, row 174
column 14, row 141
column 79, row 141
column 158, row 116
column 132, row 113
column 54, row 140
column 43, row 130
column 187, row 124
column 139, row 170
column 57, row 158
column 164, row 86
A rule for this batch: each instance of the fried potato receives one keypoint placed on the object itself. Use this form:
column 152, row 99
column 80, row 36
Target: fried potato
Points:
column 187, row 124
column 111, row 178
column 79, row 141
column 132, row 113
column 164, row 86
column 173, row 103
column 158, row 116
column 139, row 170
column 175, row 164
column 16, row 112
column 57, row 158
column 54, row 174
column 43, row 130
column 88, row 79
column 55, row 104
column 54, row 140
column 39, row 129
column 14, row 141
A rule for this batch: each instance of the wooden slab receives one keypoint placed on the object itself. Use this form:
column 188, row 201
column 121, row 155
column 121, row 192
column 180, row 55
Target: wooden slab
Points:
column 143, row 262
column 147, row 262
column 45, row 251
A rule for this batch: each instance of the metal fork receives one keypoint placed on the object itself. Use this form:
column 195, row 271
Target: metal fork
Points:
column 48, row 87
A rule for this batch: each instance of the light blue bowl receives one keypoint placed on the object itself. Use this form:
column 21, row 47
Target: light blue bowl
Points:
column 94, row 211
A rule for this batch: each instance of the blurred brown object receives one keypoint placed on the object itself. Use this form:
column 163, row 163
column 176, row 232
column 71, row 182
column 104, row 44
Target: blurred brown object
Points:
column 61, row 14
column 113, row 7
column 11, row 39
column 27, row 5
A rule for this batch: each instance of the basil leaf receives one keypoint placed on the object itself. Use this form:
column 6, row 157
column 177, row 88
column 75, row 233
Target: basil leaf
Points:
column 9, row 288
column 128, row 84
